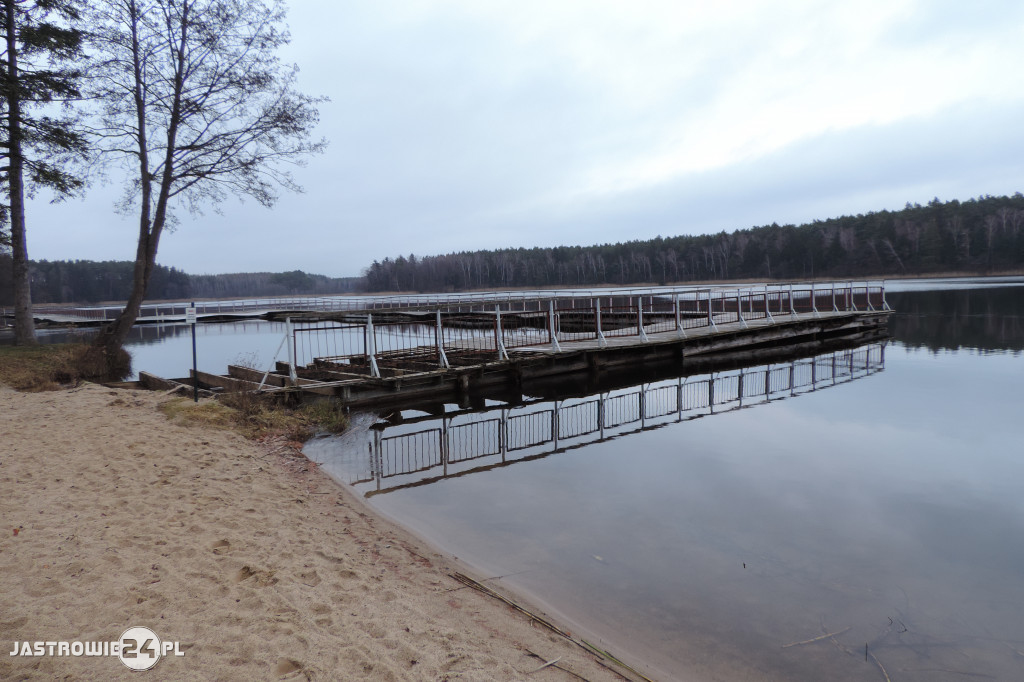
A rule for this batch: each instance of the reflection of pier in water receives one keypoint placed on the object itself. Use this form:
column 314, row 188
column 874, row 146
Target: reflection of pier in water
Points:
column 426, row 449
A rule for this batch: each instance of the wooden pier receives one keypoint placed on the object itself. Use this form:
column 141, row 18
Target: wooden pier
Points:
column 460, row 350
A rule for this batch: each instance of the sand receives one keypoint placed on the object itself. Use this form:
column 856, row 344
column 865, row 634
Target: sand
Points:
column 247, row 555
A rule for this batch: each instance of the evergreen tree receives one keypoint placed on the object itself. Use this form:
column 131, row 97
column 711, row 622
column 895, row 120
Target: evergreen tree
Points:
column 40, row 69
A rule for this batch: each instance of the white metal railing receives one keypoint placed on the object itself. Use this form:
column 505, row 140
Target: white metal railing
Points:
column 439, row 335
column 507, row 301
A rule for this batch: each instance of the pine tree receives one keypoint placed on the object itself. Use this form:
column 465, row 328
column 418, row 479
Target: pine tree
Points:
column 39, row 72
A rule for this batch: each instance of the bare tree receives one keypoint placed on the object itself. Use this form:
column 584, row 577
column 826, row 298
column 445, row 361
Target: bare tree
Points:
column 39, row 69
column 198, row 106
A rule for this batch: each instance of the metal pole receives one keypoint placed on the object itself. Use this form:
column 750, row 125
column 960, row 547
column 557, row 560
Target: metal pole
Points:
column 601, row 341
column 272, row 361
column 739, row 308
column 640, row 318
column 195, row 367
column 290, row 331
column 442, row 359
column 498, row 342
column 371, row 346
column 551, row 327
column 679, row 322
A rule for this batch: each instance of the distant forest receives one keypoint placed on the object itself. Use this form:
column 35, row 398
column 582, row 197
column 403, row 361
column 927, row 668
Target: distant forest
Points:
column 83, row 281
column 976, row 236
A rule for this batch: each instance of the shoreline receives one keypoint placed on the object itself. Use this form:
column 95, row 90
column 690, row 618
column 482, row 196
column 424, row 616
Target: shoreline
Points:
column 259, row 564
column 535, row 604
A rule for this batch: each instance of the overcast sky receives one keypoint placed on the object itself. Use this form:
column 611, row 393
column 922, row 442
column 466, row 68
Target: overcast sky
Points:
column 482, row 124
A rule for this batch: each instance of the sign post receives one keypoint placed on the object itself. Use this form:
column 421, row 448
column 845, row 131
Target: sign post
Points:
column 190, row 318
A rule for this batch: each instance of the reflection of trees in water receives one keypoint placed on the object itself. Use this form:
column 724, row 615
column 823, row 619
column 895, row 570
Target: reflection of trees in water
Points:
column 153, row 334
column 985, row 319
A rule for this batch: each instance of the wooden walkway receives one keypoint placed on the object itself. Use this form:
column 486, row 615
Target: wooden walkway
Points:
column 453, row 352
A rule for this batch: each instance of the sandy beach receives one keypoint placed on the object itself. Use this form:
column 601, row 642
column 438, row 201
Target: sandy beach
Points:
column 244, row 553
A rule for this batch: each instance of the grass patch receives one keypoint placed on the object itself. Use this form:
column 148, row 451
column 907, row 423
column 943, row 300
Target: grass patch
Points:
column 258, row 416
column 327, row 415
column 47, row 367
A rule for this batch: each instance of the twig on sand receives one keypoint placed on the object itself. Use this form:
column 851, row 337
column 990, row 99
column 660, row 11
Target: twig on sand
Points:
column 554, row 664
column 835, row 641
column 551, row 662
column 879, row 664
column 828, row 635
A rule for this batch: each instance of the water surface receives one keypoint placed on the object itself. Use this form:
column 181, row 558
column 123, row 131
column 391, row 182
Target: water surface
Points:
column 885, row 508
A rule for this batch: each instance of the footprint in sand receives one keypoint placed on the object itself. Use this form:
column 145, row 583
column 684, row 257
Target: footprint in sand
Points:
column 286, row 666
column 221, row 547
column 261, row 578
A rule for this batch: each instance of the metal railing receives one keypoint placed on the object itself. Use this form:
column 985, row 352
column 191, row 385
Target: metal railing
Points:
column 436, row 338
column 453, row 445
column 508, row 301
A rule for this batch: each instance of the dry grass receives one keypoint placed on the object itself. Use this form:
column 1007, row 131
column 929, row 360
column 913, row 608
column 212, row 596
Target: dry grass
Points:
column 42, row 367
column 257, row 417
column 54, row 366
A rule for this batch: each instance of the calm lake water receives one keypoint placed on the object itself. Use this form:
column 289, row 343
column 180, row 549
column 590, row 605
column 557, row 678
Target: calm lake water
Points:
column 873, row 493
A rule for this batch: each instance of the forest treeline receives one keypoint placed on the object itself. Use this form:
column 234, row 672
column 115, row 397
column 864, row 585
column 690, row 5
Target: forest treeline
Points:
column 83, row 281
column 976, row 236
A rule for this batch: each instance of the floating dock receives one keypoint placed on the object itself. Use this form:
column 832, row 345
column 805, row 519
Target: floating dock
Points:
column 458, row 350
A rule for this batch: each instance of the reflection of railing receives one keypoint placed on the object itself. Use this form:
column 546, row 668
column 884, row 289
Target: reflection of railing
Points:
column 436, row 447
column 432, row 338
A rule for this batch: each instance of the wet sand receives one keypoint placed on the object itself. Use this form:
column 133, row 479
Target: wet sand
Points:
column 258, row 564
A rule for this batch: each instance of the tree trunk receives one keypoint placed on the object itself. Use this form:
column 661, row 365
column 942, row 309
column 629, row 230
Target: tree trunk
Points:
column 24, row 324
column 114, row 335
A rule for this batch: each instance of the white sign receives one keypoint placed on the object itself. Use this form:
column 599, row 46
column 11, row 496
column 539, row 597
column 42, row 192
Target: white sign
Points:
column 190, row 315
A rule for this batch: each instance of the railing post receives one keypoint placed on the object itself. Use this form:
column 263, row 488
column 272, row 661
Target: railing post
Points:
column 554, row 425
column 640, row 319
column 377, row 463
column 885, row 303
column 442, row 359
column 711, row 316
column 552, row 332
column 292, row 359
column 679, row 322
column 445, row 444
column 792, row 308
column 642, row 405
column 498, row 342
column 814, row 302
column 867, row 295
column 601, row 341
column 371, row 346
column 503, row 434
column 767, row 308
column 739, row 309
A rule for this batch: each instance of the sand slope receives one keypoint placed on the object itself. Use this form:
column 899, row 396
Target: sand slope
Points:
column 257, row 563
